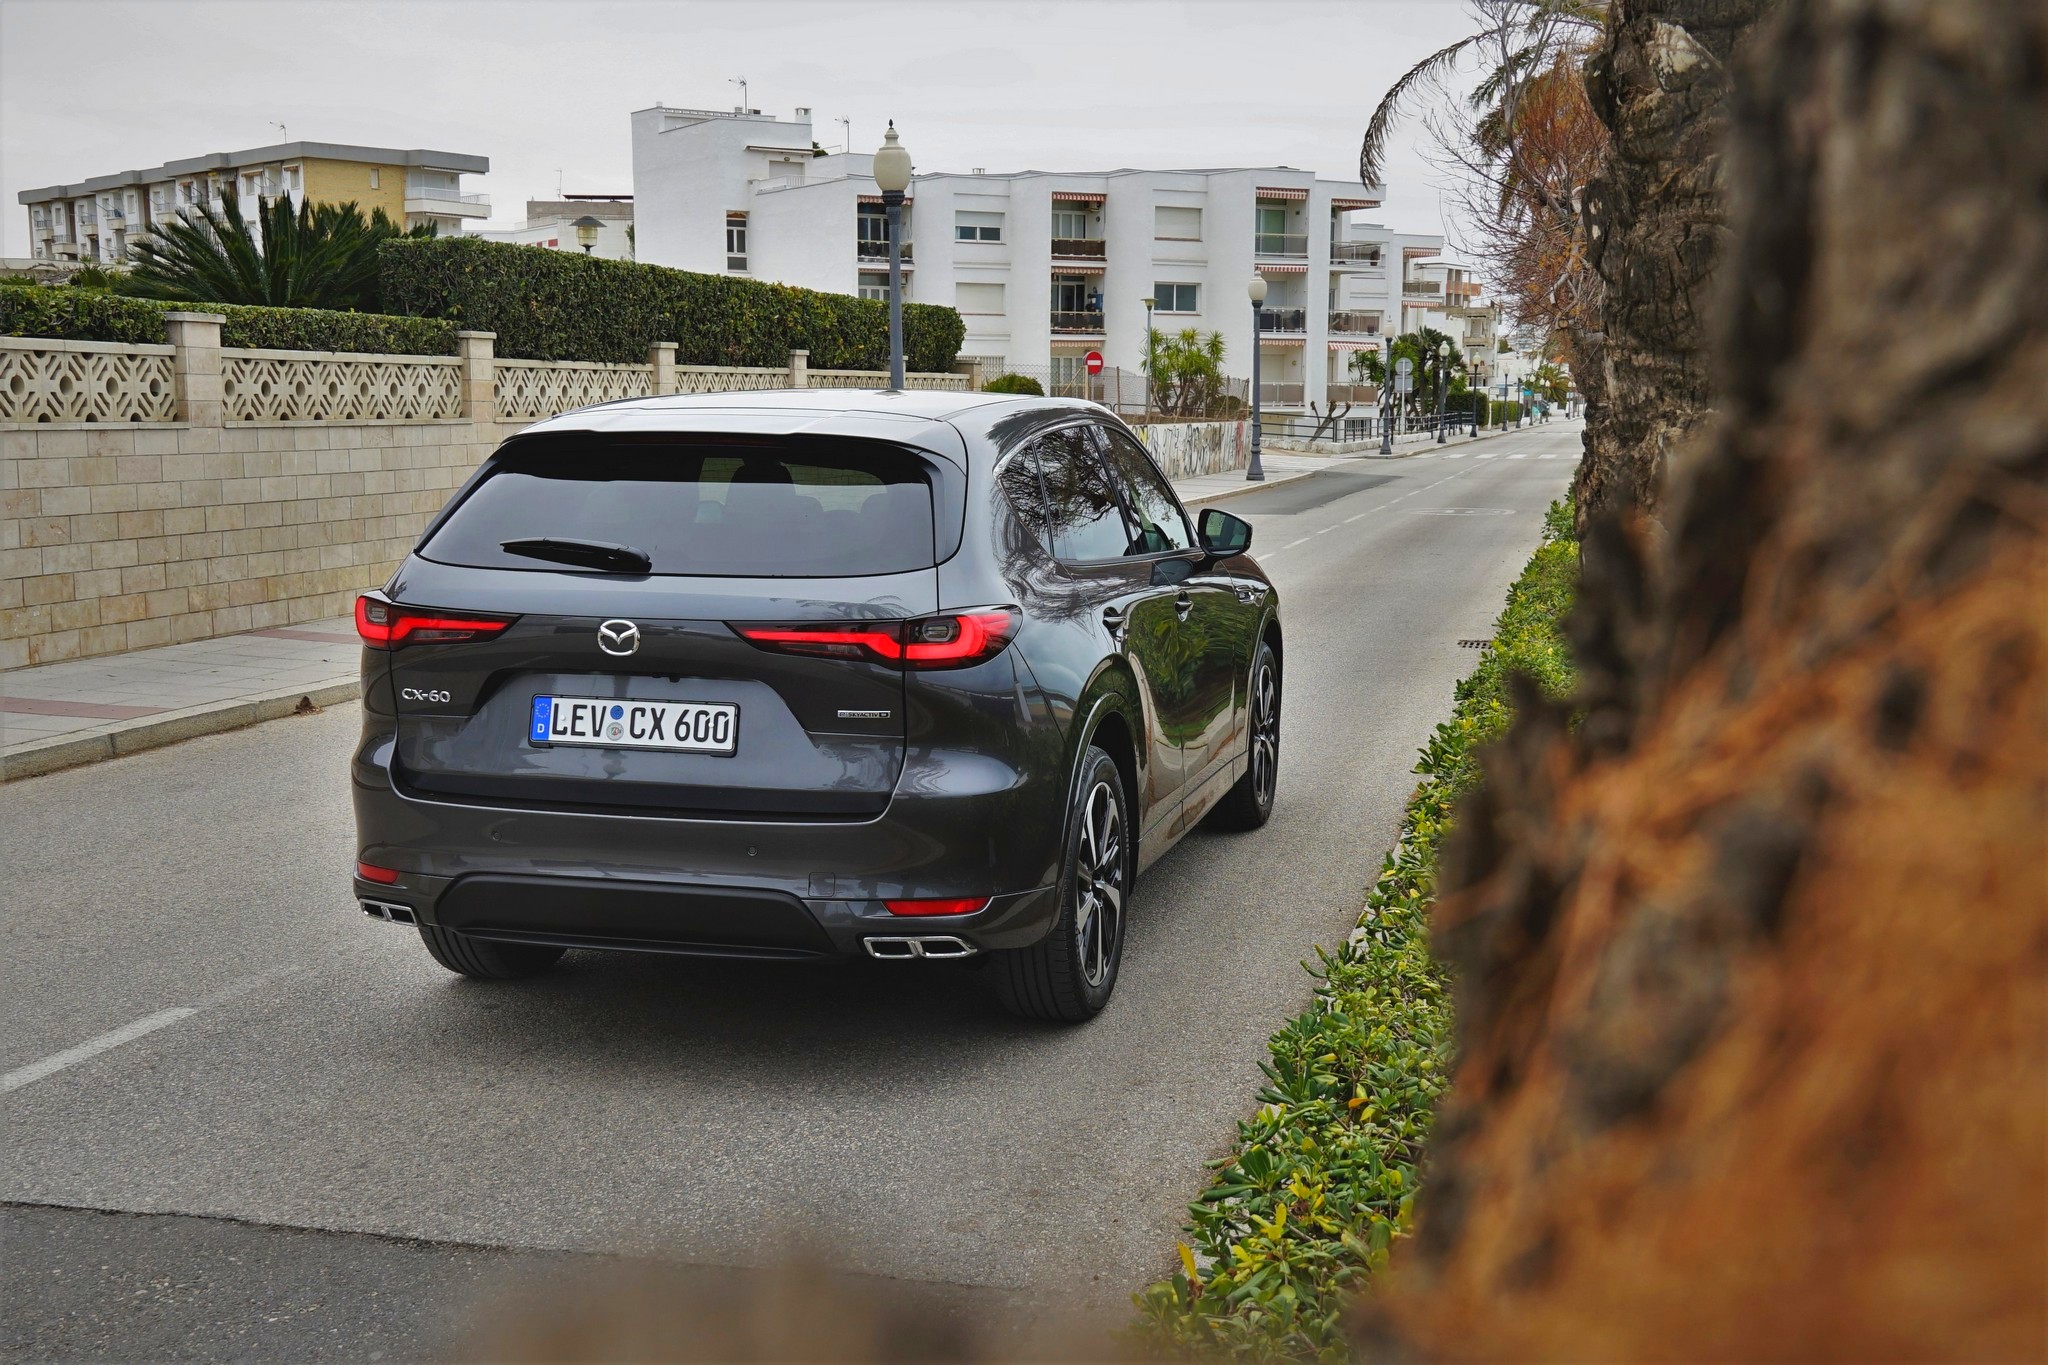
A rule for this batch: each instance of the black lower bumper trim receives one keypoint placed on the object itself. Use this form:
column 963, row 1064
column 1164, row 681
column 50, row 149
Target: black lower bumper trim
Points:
column 603, row 912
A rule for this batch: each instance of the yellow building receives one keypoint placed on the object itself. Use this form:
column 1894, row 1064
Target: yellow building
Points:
column 96, row 219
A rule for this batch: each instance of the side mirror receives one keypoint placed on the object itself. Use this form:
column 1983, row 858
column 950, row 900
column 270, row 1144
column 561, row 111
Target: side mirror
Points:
column 1222, row 534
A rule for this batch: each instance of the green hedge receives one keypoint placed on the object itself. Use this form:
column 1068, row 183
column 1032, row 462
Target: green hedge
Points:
column 554, row 305
column 1014, row 383
column 1503, row 414
column 95, row 315
column 1302, row 1212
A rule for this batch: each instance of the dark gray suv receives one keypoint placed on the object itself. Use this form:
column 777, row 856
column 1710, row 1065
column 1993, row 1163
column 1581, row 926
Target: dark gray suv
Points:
column 796, row 675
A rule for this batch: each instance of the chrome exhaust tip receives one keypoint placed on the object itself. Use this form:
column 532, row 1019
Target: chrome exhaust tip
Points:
column 388, row 911
column 902, row 947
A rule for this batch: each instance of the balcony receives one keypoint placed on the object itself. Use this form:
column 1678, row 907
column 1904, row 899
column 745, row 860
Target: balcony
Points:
column 1363, row 254
column 1351, row 322
column 1286, row 394
column 1423, row 289
column 1284, row 321
column 433, row 201
column 869, row 250
column 1293, row 245
column 1084, row 321
column 1367, row 394
column 1079, row 249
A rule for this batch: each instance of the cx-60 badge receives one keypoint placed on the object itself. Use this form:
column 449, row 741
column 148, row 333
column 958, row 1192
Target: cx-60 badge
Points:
column 618, row 637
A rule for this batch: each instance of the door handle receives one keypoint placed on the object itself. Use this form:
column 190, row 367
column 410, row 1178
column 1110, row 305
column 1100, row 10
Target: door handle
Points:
column 1245, row 594
column 1182, row 605
column 1114, row 619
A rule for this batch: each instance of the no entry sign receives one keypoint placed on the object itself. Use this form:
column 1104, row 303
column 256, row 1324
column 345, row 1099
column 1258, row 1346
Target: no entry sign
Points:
column 1093, row 360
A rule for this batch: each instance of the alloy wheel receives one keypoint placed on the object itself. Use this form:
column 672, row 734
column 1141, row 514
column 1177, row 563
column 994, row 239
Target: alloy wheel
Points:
column 1265, row 733
column 1098, row 883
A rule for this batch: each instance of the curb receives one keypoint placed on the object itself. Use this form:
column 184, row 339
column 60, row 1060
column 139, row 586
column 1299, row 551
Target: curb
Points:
column 1250, row 487
column 153, row 732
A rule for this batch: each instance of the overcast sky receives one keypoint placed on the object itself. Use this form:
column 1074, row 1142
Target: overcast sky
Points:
column 90, row 87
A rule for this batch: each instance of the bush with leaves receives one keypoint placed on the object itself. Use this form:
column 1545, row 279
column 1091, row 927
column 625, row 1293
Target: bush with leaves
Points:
column 1014, row 383
column 1319, row 1185
column 75, row 314
column 553, row 305
column 1187, row 372
column 294, row 256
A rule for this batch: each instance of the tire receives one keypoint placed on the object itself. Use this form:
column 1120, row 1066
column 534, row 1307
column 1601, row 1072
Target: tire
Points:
column 485, row 960
column 1067, row 976
column 1249, row 802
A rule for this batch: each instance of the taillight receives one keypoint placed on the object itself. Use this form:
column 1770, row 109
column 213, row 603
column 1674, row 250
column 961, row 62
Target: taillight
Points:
column 951, row 640
column 383, row 876
column 387, row 625
column 963, row 906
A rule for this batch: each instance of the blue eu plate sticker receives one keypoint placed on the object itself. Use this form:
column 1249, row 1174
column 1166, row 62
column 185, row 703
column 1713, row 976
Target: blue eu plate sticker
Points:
column 543, row 716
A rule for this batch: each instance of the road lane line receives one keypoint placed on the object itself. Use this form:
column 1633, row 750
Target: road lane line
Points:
column 106, row 1042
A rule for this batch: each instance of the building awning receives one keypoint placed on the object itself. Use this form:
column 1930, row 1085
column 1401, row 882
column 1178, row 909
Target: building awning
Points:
column 1078, row 267
column 1265, row 193
column 1267, row 339
column 1077, row 197
column 1369, row 344
column 876, row 199
column 1341, row 204
column 1267, row 268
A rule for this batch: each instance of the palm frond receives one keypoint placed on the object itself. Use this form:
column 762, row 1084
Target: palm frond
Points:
column 1372, row 152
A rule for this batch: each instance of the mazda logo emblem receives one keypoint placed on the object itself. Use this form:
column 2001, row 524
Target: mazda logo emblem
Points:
column 618, row 637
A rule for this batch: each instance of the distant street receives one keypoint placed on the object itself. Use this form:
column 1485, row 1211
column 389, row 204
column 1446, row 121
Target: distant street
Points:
column 197, row 1022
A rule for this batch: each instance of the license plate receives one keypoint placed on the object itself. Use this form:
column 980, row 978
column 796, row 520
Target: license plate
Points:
column 691, row 727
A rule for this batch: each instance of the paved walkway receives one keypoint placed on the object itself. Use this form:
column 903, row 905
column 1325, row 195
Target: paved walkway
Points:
column 59, row 715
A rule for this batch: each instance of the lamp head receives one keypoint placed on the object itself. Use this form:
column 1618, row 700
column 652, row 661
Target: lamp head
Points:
column 1257, row 289
column 586, row 230
column 1443, row 349
column 892, row 164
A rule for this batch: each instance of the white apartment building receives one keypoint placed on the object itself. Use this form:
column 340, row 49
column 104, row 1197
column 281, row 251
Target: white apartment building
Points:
column 95, row 220
column 1043, row 266
column 551, row 223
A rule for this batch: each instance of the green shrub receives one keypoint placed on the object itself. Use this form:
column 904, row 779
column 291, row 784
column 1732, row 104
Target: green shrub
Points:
column 1014, row 383
column 94, row 315
column 1320, row 1183
column 551, row 305
column 1504, row 414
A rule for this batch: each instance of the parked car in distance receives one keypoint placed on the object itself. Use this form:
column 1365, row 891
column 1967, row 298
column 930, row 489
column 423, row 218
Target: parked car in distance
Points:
column 796, row 675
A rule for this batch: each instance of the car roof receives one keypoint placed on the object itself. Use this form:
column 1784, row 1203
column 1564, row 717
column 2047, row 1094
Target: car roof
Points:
column 929, row 418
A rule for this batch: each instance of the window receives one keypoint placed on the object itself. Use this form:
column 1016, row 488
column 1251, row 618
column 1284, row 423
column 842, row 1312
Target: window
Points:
column 1272, row 220
column 376, row 178
column 977, row 227
column 1176, row 224
column 735, row 241
column 1177, row 298
column 1069, row 223
column 874, row 287
column 1069, row 374
column 871, row 228
column 1075, row 294
column 978, row 298
column 795, row 509
column 1087, row 522
column 1161, row 526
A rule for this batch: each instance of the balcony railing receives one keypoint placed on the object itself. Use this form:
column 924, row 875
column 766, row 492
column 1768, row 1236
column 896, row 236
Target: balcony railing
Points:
column 440, row 192
column 1283, row 393
column 1083, row 320
column 1281, row 244
column 1422, row 287
column 1354, row 323
column 86, row 216
column 1283, row 320
column 1080, row 248
column 869, row 250
column 1365, row 253
column 1354, row 393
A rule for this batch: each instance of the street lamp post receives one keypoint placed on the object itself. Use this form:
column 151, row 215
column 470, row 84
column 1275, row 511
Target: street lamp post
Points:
column 1443, row 354
column 892, row 178
column 1386, row 390
column 1151, row 357
column 586, row 232
column 1257, row 289
column 1476, row 396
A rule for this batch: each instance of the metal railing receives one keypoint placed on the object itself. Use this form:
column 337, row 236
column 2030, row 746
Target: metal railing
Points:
column 1352, row 322
column 1285, row 320
column 1281, row 244
column 1365, row 253
column 438, row 192
column 1354, row 393
column 1422, row 286
column 1080, row 248
column 869, row 250
column 1284, row 392
column 1083, row 320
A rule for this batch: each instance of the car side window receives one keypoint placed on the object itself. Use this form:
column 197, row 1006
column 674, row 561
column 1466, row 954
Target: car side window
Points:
column 1087, row 520
column 1161, row 526
column 1026, row 492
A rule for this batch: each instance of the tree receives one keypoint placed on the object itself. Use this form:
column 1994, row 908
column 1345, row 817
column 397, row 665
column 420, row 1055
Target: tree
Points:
column 1187, row 372
column 1751, row 938
column 303, row 256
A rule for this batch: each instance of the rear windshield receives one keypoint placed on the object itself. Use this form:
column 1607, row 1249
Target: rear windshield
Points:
column 818, row 510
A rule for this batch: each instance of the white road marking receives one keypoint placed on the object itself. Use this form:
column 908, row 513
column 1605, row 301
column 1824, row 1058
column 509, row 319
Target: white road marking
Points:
column 1326, row 530
column 1291, row 544
column 1519, row 455
column 106, row 1042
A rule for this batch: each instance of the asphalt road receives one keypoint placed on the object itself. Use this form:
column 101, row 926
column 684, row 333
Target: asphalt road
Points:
column 277, row 1060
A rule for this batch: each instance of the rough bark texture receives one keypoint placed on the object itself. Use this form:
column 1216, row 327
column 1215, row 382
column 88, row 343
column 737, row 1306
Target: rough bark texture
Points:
column 1654, row 225
column 1752, row 966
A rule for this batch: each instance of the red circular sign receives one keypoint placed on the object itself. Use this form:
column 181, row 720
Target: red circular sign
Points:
column 1094, row 362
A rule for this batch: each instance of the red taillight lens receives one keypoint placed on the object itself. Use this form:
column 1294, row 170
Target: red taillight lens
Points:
column 383, row 876
column 386, row 625
column 964, row 906
column 953, row 640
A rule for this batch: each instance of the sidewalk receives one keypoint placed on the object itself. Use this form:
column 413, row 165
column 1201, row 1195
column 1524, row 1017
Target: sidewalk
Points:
column 60, row 715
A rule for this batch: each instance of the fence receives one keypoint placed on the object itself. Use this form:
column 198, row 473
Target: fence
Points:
column 84, row 381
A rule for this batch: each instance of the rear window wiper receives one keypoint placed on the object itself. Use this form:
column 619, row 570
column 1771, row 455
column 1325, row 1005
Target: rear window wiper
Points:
column 588, row 554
